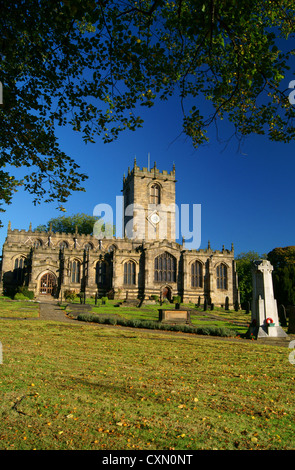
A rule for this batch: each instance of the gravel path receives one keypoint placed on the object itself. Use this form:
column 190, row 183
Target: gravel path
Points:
column 51, row 311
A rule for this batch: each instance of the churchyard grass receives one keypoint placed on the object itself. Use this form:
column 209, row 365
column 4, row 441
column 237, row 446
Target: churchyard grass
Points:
column 88, row 386
column 18, row 308
column 238, row 321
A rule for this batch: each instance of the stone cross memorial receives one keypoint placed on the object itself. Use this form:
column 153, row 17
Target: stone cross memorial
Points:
column 265, row 319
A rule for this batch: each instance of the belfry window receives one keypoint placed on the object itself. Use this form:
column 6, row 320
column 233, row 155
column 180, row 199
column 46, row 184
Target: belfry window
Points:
column 129, row 273
column 165, row 268
column 221, row 276
column 197, row 274
column 155, row 194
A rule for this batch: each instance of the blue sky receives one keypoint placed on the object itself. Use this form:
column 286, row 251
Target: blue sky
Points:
column 246, row 196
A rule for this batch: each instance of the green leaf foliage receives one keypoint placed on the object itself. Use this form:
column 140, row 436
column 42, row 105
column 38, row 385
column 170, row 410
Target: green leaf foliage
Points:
column 83, row 223
column 93, row 65
column 283, row 261
column 244, row 262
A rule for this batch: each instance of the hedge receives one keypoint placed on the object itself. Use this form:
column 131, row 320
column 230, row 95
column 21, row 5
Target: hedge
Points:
column 135, row 323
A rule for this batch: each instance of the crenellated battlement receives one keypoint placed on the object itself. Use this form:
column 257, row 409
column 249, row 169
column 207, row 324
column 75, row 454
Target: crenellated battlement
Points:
column 153, row 173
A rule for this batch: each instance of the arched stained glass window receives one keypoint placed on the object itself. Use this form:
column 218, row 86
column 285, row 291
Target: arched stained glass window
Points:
column 221, row 276
column 165, row 268
column 197, row 274
column 129, row 273
column 75, row 269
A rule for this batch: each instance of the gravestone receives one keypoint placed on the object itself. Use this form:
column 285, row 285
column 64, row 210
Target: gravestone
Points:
column 265, row 320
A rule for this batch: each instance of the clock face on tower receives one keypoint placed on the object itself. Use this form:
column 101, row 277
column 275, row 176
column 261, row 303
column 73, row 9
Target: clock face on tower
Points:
column 155, row 218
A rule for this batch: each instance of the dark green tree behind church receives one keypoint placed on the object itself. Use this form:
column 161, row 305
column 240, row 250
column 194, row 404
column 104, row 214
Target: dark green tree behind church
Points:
column 80, row 223
column 283, row 261
column 83, row 223
column 244, row 263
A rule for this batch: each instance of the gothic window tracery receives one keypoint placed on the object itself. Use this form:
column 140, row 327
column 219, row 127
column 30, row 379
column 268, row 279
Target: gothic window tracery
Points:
column 221, row 276
column 129, row 273
column 75, row 271
column 165, row 268
column 196, row 274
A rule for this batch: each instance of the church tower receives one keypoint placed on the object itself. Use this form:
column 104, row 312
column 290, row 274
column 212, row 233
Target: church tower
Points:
column 149, row 204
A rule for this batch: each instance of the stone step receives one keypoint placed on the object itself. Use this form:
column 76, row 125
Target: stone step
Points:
column 275, row 341
column 46, row 298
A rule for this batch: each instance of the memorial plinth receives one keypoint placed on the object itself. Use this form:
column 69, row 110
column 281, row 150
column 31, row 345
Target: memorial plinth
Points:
column 265, row 319
column 174, row 316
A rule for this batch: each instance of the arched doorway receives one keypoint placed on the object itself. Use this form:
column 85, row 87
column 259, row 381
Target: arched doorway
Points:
column 166, row 293
column 47, row 284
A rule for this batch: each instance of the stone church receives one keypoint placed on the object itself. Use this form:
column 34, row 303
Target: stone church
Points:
column 133, row 267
